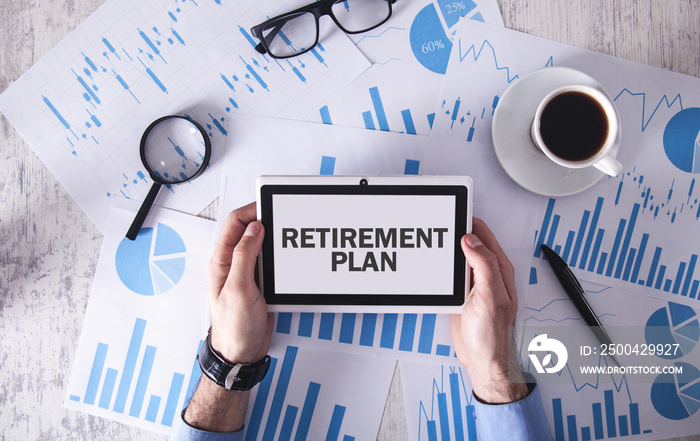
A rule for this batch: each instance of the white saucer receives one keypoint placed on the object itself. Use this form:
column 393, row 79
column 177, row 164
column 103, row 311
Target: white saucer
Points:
column 516, row 152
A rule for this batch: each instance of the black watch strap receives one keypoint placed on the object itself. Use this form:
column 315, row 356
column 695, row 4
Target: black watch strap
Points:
column 231, row 376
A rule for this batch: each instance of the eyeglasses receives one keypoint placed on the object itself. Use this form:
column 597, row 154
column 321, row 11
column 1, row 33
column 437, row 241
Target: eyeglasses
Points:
column 296, row 32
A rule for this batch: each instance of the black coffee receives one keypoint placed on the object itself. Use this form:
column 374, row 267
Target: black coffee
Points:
column 574, row 126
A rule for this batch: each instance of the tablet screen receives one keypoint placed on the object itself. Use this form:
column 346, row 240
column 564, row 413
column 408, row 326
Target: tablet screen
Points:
column 341, row 244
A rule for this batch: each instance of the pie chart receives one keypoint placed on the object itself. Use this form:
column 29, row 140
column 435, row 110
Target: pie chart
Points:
column 682, row 140
column 677, row 396
column 429, row 37
column 674, row 324
column 153, row 263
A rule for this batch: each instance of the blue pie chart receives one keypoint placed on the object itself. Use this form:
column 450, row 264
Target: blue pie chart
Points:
column 153, row 263
column 677, row 396
column 673, row 325
column 682, row 140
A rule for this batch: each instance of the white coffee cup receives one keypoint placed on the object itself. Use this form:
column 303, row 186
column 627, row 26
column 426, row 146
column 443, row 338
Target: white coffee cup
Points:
column 579, row 144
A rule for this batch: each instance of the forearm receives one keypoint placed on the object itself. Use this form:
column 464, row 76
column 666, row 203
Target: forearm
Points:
column 216, row 409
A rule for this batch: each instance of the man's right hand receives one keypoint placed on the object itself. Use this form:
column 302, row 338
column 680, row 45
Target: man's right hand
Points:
column 482, row 333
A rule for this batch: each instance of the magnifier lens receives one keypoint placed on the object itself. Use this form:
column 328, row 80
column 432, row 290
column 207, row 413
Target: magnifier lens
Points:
column 174, row 150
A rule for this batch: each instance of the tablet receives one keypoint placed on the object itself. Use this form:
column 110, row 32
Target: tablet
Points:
column 364, row 243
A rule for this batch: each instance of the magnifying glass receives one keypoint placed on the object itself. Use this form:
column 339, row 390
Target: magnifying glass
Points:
column 174, row 149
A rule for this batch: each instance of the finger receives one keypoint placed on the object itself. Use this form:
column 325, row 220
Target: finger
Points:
column 484, row 263
column 245, row 255
column 231, row 232
column 484, row 233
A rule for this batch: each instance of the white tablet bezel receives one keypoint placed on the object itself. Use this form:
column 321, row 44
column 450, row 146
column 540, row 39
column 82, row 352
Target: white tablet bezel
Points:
column 266, row 266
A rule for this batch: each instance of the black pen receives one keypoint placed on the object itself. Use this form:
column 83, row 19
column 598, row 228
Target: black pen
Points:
column 577, row 295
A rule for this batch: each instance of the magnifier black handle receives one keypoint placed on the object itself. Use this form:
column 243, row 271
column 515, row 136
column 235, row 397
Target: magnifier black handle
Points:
column 143, row 212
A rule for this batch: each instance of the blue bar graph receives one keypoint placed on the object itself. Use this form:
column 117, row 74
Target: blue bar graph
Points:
column 129, row 365
column 300, row 420
column 326, row 115
column 417, row 333
column 142, row 405
column 610, row 414
column 411, row 167
column 306, row 324
column 325, row 331
column 284, row 322
column 579, row 238
column 408, row 330
column 591, row 232
column 456, row 407
column 442, row 350
column 260, row 400
column 347, row 328
column 571, row 426
column 195, row 376
column 585, row 434
column 624, row 429
column 425, row 341
column 280, row 392
column 152, row 409
column 108, row 388
column 369, row 122
column 369, row 323
column 634, row 418
column 142, row 381
column 95, row 373
column 408, row 122
column 598, row 420
column 388, row 331
column 558, row 420
column 336, row 422
column 471, row 423
column 290, row 416
column 379, row 109
column 626, row 256
column 307, row 411
column 448, row 409
column 173, row 399
column 444, row 418
column 327, row 165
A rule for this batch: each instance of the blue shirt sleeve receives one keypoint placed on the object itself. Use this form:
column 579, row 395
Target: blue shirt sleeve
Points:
column 184, row 432
column 522, row 420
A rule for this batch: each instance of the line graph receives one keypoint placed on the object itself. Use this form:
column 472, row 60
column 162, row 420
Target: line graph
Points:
column 664, row 99
column 492, row 51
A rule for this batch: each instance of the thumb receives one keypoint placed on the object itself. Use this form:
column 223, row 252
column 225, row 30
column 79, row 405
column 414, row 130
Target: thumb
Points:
column 483, row 261
column 245, row 255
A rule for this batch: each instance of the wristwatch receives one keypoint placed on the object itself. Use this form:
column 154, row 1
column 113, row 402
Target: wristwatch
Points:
column 238, row 377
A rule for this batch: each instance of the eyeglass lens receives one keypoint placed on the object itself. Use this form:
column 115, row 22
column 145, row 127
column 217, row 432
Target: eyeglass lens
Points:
column 297, row 33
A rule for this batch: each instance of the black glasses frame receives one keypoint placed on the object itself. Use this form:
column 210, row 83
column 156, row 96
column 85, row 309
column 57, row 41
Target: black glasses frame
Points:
column 318, row 9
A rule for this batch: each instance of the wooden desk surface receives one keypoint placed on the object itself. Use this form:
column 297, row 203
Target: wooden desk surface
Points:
column 50, row 247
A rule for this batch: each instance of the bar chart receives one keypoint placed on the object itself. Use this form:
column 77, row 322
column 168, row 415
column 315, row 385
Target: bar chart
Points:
column 439, row 402
column 298, row 400
column 133, row 393
column 395, row 335
column 376, row 117
column 622, row 254
column 607, row 421
column 135, row 360
column 421, row 336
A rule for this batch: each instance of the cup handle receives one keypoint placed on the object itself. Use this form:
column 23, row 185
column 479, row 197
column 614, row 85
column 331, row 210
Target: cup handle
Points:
column 609, row 165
